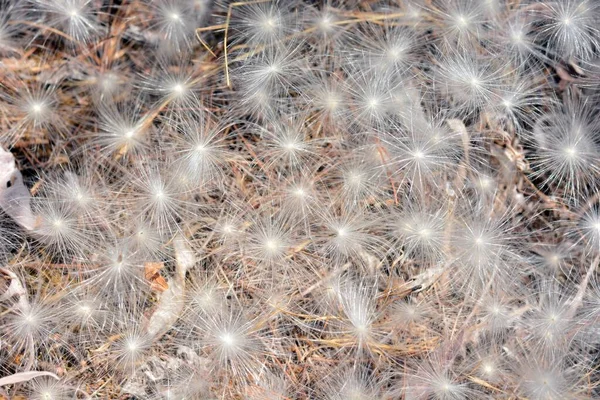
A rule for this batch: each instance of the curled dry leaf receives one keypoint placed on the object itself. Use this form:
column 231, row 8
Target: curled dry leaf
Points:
column 15, row 198
column 15, row 288
column 24, row 377
column 152, row 275
column 171, row 299
column 184, row 256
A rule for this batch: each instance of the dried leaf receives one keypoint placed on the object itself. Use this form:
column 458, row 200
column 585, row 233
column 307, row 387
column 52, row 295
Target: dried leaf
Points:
column 152, row 274
column 24, row 377
column 15, row 198
column 459, row 127
column 184, row 256
column 15, row 288
column 172, row 299
column 426, row 279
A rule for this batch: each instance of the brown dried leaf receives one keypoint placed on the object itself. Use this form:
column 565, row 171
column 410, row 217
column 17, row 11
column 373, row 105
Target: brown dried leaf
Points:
column 152, row 275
